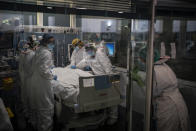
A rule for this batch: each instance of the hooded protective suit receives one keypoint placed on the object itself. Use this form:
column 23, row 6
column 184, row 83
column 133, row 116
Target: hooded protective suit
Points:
column 170, row 109
column 101, row 47
column 77, row 56
column 27, row 67
column 100, row 65
column 41, row 95
column 22, row 47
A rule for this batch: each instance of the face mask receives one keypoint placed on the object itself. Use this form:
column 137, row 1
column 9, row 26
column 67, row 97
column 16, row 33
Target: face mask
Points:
column 91, row 53
column 51, row 46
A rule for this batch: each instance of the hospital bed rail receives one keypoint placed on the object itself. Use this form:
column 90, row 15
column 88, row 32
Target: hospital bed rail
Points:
column 98, row 92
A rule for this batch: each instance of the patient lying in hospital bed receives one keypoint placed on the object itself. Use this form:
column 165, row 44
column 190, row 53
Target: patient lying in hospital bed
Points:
column 67, row 84
column 84, row 93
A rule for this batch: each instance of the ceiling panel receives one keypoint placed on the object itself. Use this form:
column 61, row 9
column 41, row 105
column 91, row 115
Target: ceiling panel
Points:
column 108, row 5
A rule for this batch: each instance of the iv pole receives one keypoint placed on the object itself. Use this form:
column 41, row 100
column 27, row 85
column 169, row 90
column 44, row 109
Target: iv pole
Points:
column 149, row 69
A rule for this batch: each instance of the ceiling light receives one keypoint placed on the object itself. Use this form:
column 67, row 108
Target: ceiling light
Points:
column 120, row 12
column 82, row 8
column 49, row 7
column 109, row 23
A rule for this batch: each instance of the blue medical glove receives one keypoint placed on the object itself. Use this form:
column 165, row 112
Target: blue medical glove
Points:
column 52, row 67
column 73, row 67
column 87, row 68
column 55, row 77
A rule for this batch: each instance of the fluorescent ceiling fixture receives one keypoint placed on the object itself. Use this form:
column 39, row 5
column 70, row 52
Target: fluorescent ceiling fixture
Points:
column 82, row 8
column 120, row 12
column 49, row 7
column 40, row 2
column 109, row 23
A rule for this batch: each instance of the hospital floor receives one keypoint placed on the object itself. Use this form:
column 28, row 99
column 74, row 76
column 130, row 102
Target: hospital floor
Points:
column 119, row 126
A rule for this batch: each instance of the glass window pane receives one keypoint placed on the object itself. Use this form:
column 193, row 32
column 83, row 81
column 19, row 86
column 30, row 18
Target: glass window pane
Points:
column 109, row 35
column 178, row 42
column 139, row 42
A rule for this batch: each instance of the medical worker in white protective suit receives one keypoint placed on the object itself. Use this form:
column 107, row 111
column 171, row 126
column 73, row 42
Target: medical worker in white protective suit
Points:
column 171, row 113
column 41, row 94
column 101, row 46
column 22, row 46
column 78, row 53
column 27, row 67
column 100, row 64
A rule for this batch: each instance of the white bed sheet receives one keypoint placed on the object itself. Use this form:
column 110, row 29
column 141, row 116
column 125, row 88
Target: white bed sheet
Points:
column 67, row 84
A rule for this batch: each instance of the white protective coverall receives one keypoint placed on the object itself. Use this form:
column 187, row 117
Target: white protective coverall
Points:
column 68, row 88
column 41, row 95
column 170, row 109
column 22, row 46
column 101, row 46
column 77, row 56
column 100, row 65
column 27, row 67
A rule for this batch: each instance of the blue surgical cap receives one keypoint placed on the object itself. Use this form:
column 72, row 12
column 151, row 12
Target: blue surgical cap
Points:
column 46, row 37
column 143, row 54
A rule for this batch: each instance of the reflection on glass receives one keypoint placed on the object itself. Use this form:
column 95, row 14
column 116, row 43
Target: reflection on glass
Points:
column 191, row 26
column 176, row 26
column 51, row 21
column 159, row 26
column 139, row 37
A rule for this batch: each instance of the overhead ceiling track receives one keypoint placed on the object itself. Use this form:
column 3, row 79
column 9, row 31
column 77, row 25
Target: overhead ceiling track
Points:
column 108, row 5
column 139, row 8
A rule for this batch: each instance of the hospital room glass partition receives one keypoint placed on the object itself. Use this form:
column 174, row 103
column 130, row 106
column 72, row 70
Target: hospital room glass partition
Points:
column 173, row 37
column 106, row 101
column 177, row 40
column 103, row 97
column 124, row 40
column 114, row 34
column 139, row 40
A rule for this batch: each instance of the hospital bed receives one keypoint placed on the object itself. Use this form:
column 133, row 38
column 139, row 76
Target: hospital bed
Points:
column 95, row 93
column 98, row 92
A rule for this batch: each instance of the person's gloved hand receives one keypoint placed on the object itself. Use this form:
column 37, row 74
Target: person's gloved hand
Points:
column 55, row 77
column 87, row 68
column 73, row 67
column 52, row 67
column 136, row 77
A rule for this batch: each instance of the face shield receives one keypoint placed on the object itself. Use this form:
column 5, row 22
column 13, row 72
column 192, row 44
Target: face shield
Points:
column 90, row 50
column 23, row 45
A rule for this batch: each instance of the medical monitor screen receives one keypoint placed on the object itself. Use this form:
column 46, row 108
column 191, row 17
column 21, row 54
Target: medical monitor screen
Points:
column 111, row 48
